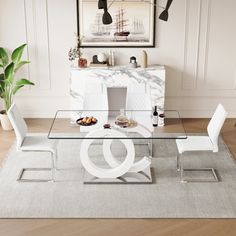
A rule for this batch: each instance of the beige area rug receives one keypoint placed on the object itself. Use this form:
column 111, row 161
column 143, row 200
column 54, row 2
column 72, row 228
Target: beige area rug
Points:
column 68, row 197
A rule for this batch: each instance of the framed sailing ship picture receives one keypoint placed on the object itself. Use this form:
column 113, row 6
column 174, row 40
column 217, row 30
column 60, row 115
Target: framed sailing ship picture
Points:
column 133, row 23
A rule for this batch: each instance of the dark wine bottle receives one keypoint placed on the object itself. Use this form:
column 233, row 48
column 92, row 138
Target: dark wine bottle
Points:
column 155, row 117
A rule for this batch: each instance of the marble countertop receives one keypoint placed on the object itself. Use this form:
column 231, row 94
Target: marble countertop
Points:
column 123, row 67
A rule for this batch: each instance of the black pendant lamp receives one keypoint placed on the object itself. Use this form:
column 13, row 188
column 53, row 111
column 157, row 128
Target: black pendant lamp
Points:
column 100, row 4
column 164, row 15
column 106, row 18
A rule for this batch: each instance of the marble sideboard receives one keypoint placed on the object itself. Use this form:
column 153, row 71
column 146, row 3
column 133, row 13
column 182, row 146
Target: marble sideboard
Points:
column 85, row 79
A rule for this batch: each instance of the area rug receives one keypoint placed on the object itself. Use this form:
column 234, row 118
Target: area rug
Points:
column 68, row 197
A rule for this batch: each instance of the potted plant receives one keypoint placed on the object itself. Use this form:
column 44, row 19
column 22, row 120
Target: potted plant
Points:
column 8, row 83
column 75, row 54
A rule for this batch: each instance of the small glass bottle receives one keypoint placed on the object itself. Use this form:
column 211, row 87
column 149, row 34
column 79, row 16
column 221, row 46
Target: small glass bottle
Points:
column 161, row 118
column 155, row 117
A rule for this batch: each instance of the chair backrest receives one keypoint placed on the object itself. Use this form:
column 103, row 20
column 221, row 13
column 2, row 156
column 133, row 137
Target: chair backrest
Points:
column 215, row 125
column 18, row 124
column 138, row 97
column 95, row 97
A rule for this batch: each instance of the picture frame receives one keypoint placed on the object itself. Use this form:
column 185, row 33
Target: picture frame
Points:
column 134, row 24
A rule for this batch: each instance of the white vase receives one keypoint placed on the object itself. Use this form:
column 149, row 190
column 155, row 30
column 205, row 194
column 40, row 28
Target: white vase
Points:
column 5, row 122
column 144, row 59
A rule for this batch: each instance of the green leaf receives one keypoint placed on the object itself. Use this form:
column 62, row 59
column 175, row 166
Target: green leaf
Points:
column 21, row 83
column 20, row 64
column 2, row 85
column 1, row 77
column 16, row 88
column 2, row 95
column 1, row 80
column 9, row 71
column 24, row 82
column 17, row 54
column 3, row 57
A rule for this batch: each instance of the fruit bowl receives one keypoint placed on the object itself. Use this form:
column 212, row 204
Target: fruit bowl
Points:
column 87, row 121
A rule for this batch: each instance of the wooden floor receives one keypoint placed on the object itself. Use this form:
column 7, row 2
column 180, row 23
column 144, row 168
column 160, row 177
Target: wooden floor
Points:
column 124, row 227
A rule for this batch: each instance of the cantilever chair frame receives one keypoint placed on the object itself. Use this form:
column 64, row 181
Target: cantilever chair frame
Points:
column 24, row 170
column 183, row 179
column 20, row 129
column 217, row 120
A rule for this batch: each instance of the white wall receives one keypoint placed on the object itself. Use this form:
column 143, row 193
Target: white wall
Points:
column 197, row 45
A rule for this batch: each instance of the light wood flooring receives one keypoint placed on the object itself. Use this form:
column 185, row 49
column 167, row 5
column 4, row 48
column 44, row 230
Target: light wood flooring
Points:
column 119, row 227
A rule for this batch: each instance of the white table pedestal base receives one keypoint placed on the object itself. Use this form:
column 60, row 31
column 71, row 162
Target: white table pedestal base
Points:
column 142, row 177
column 127, row 171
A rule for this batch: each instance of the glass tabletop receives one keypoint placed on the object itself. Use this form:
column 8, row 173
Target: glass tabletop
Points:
column 116, row 124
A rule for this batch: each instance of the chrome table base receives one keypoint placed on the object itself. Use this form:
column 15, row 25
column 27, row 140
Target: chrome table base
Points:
column 142, row 177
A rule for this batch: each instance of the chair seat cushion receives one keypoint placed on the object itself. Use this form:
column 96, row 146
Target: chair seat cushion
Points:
column 38, row 142
column 194, row 143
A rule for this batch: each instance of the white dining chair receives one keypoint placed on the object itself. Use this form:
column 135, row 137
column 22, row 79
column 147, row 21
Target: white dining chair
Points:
column 94, row 98
column 138, row 100
column 202, row 143
column 29, row 142
column 95, row 104
column 138, row 97
column 139, row 107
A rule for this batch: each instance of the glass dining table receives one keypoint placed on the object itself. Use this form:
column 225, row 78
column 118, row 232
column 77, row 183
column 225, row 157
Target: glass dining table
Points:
column 116, row 146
